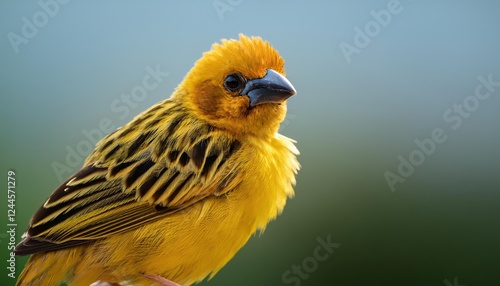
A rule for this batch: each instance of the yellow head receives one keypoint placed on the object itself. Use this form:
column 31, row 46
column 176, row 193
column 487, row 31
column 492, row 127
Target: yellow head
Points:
column 239, row 86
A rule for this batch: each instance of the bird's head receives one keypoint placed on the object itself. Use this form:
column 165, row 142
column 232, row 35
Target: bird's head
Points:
column 239, row 86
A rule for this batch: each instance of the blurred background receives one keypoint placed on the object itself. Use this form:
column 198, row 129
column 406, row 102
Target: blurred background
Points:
column 396, row 117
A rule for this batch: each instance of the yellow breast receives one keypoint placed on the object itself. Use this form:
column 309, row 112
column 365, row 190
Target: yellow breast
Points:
column 196, row 242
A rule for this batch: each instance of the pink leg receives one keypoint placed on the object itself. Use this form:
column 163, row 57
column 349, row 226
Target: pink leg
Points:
column 161, row 280
column 103, row 283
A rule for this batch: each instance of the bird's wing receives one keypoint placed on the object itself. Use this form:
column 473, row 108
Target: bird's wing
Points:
column 134, row 177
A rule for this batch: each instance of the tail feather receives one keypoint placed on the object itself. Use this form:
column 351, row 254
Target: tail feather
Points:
column 49, row 268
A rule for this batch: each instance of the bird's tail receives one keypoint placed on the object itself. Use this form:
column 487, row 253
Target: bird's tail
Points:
column 48, row 269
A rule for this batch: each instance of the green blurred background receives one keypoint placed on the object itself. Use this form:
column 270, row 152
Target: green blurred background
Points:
column 353, row 117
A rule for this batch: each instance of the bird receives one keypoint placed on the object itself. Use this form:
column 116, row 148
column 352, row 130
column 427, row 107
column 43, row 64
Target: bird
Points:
column 171, row 196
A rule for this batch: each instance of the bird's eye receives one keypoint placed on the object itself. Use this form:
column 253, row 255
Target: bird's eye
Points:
column 233, row 82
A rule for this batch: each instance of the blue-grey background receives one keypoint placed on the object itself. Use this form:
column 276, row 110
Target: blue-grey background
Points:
column 352, row 120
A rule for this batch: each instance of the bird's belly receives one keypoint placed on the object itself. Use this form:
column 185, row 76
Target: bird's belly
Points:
column 186, row 246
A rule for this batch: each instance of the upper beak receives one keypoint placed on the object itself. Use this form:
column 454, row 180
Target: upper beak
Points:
column 272, row 88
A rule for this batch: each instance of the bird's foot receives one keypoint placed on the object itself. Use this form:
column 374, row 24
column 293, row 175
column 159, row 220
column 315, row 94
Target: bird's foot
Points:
column 161, row 280
column 103, row 283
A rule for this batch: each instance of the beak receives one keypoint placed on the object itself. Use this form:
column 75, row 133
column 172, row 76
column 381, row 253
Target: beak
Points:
column 272, row 88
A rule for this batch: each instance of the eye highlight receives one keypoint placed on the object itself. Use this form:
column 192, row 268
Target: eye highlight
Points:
column 234, row 82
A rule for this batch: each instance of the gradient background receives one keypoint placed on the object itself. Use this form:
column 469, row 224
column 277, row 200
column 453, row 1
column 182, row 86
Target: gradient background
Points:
column 351, row 121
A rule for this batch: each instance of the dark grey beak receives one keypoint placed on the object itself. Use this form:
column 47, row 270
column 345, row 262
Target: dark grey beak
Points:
column 272, row 88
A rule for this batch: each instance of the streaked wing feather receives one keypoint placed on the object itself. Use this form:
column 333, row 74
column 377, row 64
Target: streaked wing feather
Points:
column 135, row 177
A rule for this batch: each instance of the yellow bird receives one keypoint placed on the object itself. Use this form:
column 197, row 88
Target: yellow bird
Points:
column 175, row 193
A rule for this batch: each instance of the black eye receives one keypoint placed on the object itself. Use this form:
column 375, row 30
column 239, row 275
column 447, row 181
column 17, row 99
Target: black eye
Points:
column 233, row 82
